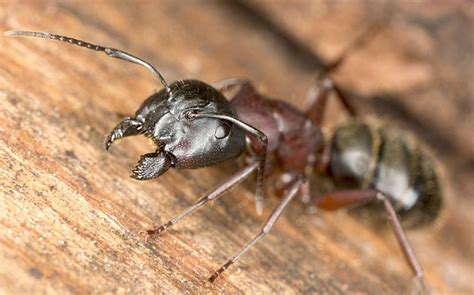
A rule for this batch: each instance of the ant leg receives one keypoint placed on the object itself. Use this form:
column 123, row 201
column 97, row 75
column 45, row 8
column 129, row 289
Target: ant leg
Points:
column 213, row 195
column 317, row 94
column 317, row 97
column 224, row 85
column 127, row 127
column 286, row 179
column 265, row 228
column 262, row 155
column 242, row 87
column 305, row 192
column 344, row 198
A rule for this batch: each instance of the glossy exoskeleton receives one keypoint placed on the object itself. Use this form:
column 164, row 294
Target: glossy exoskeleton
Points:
column 193, row 125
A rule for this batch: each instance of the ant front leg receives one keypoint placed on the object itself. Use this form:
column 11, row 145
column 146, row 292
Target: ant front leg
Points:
column 224, row 85
column 316, row 100
column 216, row 193
column 127, row 127
column 345, row 198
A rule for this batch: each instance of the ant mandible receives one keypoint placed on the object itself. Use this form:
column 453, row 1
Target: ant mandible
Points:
column 193, row 125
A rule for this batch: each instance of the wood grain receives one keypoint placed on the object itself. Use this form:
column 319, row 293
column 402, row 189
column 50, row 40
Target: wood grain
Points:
column 70, row 215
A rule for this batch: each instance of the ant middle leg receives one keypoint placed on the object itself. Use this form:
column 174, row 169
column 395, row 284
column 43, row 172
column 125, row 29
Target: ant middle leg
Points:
column 276, row 213
column 344, row 198
column 212, row 195
column 285, row 180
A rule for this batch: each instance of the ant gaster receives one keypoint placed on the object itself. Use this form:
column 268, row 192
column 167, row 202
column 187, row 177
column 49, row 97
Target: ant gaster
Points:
column 193, row 125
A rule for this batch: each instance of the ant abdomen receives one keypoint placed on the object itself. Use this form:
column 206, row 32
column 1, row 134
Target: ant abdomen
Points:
column 367, row 157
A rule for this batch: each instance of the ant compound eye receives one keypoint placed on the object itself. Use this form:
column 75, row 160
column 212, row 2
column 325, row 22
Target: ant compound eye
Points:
column 222, row 131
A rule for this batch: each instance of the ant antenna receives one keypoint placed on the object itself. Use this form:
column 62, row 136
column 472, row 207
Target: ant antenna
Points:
column 109, row 51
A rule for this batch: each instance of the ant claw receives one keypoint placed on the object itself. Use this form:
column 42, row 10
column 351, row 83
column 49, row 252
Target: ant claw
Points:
column 157, row 231
column 143, row 234
column 153, row 233
column 218, row 272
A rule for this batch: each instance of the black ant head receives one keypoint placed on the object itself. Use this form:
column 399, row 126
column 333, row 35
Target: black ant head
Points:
column 192, row 123
column 186, row 140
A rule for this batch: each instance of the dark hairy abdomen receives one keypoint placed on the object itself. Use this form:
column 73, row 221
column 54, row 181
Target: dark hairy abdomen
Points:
column 364, row 156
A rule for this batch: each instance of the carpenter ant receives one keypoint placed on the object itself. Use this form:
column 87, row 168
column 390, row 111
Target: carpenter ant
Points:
column 193, row 125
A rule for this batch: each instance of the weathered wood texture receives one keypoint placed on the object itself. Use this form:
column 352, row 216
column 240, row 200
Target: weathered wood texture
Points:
column 69, row 213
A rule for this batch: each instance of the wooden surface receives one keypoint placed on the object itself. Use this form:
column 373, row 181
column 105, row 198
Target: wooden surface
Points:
column 70, row 215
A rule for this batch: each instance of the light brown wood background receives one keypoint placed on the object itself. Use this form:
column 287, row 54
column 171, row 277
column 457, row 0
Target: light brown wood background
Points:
column 69, row 213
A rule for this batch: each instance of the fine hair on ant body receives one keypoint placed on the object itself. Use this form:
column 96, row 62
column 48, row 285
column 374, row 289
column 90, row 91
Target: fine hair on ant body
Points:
column 193, row 125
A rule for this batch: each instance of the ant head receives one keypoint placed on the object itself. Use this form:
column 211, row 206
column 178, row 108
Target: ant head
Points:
column 192, row 123
column 185, row 139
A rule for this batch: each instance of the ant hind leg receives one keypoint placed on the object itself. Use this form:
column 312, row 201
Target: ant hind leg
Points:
column 344, row 198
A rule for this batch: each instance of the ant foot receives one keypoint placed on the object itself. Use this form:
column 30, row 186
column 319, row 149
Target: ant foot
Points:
column 218, row 272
